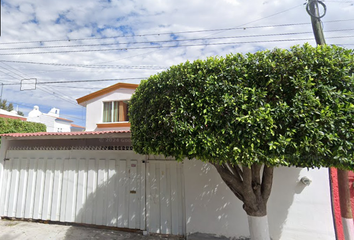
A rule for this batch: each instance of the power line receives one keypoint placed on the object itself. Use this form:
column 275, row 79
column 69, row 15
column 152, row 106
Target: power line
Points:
column 54, row 94
column 12, row 70
column 7, row 74
column 91, row 66
column 77, row 81
column 272, row 15
column 172, row 46
column 171, row 41
column 175, row 33
column 340, row 1
column 48, row 90
column 59, row 94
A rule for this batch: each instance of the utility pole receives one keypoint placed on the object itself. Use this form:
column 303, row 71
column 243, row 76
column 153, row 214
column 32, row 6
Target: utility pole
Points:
column 312, row 9
column 2, row 87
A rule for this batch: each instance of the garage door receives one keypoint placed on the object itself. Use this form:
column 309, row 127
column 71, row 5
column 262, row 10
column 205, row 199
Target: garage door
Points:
column 92, row 187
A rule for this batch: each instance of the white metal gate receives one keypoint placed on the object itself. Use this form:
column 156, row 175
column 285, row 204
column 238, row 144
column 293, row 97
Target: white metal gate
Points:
column 109, row 188
column 93, row 187
column 165, row 197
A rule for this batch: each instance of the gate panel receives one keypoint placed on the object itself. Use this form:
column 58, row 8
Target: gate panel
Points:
column 21, row 198
column 81, row 190
column 14, row 188
column 133, row 199
column 123, row 182
column 38, row 195
column 48, row 189
column 94, row 187
column 165, row 197
column 57, row 190
column 112, row 195
column 31, row 186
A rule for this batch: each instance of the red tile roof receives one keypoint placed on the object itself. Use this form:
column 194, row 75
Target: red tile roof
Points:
column 13, row 117
column 77, row 126
column 64, row 119
column 18, row 135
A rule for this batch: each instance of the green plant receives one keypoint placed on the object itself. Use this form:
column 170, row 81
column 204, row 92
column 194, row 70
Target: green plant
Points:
column 8, row 125
column 247, row 114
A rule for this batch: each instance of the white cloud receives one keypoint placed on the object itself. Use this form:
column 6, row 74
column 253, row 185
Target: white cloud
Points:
column 93, row 21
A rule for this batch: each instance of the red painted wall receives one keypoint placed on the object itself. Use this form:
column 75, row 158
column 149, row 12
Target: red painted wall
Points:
column 336, row 205
column 335, row 199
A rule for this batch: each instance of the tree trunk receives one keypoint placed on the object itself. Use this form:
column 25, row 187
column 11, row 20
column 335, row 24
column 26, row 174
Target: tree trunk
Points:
column 253, row 187
column 345, row 204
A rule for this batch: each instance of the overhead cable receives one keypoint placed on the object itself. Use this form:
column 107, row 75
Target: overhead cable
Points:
column 172, row 41
column 173, row 33
column 91, row 66
column 171, row 46
column 86, row 80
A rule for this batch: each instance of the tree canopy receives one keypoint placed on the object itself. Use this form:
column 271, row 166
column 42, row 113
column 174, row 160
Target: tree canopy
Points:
column 278, row 107
column 8, row 107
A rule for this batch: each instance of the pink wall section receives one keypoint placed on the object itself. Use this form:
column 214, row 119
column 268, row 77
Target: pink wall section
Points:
column 336, row 204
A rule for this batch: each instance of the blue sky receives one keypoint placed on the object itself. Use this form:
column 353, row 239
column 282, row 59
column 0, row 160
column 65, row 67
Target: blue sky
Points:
column 55, row 41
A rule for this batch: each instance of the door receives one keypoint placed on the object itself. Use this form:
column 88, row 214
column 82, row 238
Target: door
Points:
column 165, row 197
column 94, row 187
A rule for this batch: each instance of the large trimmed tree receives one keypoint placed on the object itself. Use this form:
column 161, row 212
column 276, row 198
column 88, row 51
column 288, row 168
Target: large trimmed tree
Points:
column 246, row 114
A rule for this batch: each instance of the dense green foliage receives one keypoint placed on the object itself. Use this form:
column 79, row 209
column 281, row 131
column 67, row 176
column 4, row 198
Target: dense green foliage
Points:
column 280, row 107
column 8, row 125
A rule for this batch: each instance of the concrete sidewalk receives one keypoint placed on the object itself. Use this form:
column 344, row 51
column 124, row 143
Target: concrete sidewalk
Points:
column 22, row 230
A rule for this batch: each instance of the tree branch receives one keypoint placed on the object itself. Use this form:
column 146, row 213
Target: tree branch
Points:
column 230, row 180
column 234, row 172
column 247, row 182
column 256, row 179
column 267, row 181
column 238, row 170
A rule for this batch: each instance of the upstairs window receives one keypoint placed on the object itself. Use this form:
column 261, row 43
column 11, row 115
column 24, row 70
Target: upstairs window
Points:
column 115, row 111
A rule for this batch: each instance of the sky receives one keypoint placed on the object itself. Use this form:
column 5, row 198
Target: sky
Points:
column 53, row 52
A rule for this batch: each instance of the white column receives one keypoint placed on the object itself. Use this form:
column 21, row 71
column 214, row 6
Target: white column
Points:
column 259, row 229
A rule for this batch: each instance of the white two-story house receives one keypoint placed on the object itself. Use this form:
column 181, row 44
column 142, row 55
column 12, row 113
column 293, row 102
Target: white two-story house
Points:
column 107, row 109
column 95, row 177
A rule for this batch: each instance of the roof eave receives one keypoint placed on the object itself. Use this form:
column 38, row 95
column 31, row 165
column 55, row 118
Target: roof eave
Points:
column 83, row 100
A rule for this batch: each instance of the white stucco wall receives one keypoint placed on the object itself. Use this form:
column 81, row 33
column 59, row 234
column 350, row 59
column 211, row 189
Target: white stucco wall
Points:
column 3, row 148
column 64, row 126
column 45, row 119
column 94, row 108
column 51, row 123
column 295, row 211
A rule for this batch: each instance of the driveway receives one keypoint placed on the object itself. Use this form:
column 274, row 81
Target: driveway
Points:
column 22, row 230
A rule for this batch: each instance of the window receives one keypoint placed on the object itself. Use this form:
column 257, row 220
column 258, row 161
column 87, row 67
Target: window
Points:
column 115, row 111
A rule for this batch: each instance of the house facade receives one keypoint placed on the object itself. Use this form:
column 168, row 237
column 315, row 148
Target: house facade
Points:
column 95, row 177
column 107, row 109
column 53, row 121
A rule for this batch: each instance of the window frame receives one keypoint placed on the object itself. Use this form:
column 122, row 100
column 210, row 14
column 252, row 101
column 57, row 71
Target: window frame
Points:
column 117, row 111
